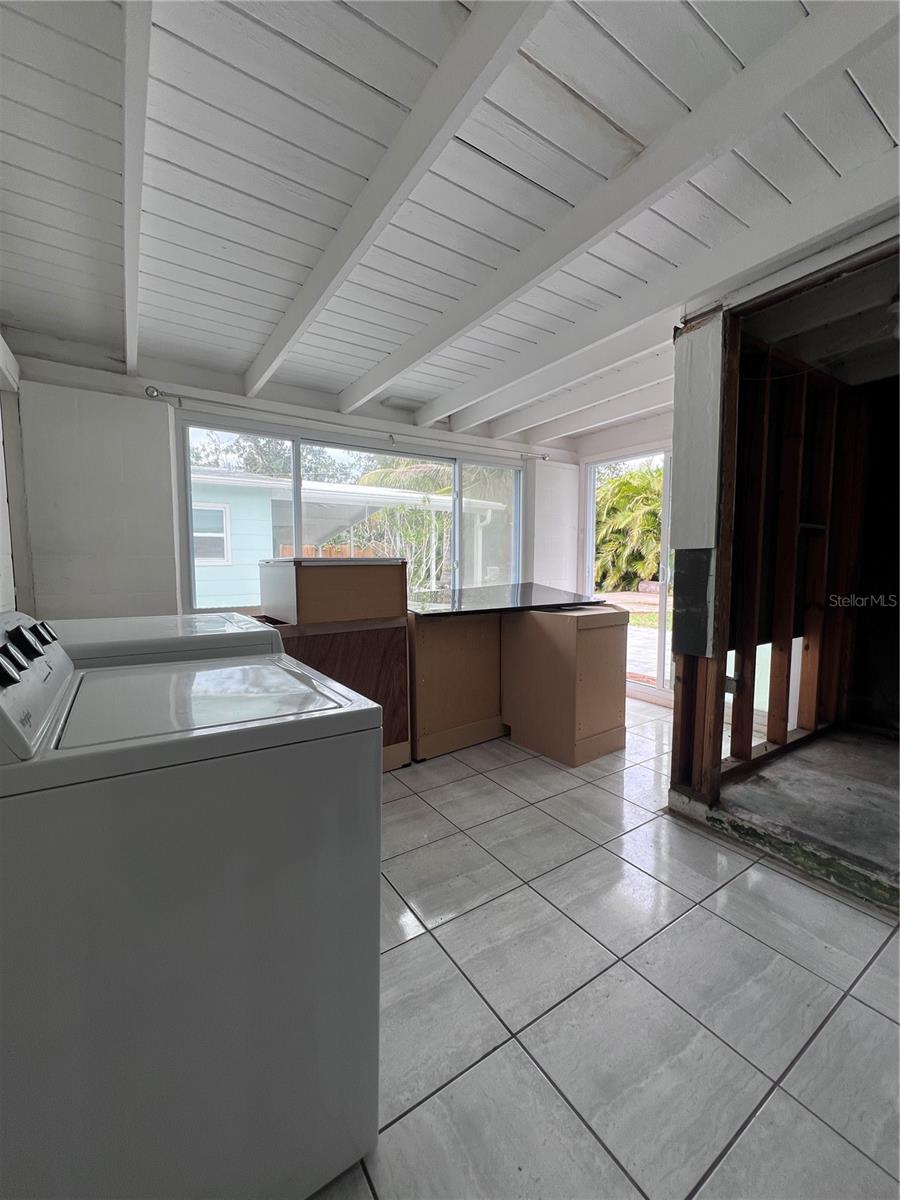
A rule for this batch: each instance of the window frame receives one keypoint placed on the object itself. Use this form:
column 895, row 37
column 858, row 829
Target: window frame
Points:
column 187, row 419
column 225, row 535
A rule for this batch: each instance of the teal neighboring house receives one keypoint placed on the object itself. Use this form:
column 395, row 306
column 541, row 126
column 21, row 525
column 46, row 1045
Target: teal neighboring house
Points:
column 237, row 519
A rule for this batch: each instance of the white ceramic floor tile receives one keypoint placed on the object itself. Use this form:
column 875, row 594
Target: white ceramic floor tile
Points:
column 433, row 772
column 433, row 1025
column 662, row 765
column 398, row 923
column 597, row 814
column 534, row 779
column 614, row 901
column 848, row 1077
column 472, row 801
column 640, row 785
column 640, row 712
column 351, row 1185
column 522, row 954
column 879, row 986
column 661, row 1092
column 489, row 755
column 499, row 1132
column 788, row 1154
column 446, row 878
column 657, row 732
column 410, row 822
column 758, row 1001
column 830, row 889
column 692, row 865
column 714, row 835
column 639, row 748
column 597, row 768
column 530, row 842
column 822, row 934
column 392, row 789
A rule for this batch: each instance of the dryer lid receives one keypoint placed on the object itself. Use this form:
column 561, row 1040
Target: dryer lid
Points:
column 161, row 700
column 102, row 637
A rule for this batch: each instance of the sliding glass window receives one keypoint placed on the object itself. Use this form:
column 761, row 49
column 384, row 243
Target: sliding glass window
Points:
column 490, row 525
column 240, row 510
column 455, row 523
column 357, row 504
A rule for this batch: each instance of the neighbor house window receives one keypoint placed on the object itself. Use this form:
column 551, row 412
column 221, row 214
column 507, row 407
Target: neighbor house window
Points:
column 210, row 524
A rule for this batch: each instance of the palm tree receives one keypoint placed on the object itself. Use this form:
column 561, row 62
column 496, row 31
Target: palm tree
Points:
column 628, row 529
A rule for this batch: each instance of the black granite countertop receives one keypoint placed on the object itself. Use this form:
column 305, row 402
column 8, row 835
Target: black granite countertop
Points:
column 499, row 598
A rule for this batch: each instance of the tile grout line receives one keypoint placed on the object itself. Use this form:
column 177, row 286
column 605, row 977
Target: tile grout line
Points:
column 776, row 1086
column 607, row 846
column 514, row 1036
column 613, row 1158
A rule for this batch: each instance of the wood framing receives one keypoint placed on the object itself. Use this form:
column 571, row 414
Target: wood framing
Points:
column 793, row 453
column 753, row 437
column 789, row 394
column 822, row 402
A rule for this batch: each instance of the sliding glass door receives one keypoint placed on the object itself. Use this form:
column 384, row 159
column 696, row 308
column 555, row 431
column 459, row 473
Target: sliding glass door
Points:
column 629, row 558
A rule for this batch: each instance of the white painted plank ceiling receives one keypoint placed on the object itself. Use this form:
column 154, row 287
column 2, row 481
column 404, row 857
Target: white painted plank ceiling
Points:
column 264, row 122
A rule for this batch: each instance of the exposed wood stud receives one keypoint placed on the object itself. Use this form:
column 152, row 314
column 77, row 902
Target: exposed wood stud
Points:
column 753, row 438
column 788, row 393
column 822, row 409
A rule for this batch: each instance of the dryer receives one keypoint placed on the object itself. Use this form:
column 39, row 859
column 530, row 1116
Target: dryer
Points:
column 117, row 641
column 189, row 911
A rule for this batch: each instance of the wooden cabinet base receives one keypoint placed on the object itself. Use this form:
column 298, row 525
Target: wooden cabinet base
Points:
column 368, row 657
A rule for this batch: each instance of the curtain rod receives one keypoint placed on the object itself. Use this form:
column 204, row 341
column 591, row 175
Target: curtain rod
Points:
column 155, row 393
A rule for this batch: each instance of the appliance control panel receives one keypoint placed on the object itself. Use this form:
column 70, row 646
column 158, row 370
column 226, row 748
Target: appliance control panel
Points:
column 34, row 674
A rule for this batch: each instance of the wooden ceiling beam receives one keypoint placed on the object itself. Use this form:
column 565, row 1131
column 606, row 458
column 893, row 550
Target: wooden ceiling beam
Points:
column 569, row 407
column 824, row 41
column 138, row 20
column 488, row 40
column 864, row 195
column 633, row 406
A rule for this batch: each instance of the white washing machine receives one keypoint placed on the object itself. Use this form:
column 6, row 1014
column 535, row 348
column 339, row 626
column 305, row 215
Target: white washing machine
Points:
column 118, row 641
column 189, row 912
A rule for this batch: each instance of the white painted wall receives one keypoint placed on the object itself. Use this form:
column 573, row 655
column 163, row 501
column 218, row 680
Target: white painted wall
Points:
column 98, row 473
column 7, row 583
column 550, row 524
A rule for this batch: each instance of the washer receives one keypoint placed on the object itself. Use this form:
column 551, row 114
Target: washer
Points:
column 118, row 641
column 189, row 912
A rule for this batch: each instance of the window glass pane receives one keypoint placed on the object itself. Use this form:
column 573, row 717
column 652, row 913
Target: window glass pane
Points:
column 252, row 477
column 490, row 525
column 358, row 504
column 209, row 520
column 208, row 546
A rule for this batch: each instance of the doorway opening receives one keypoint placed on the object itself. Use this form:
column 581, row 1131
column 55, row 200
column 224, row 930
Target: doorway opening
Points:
column 628, row 562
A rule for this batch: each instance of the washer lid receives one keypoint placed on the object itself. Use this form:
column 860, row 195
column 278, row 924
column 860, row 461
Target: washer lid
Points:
column 106, row 637
column 165, row 699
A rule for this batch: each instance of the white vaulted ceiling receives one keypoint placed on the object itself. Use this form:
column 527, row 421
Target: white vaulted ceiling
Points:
column 464, row 210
